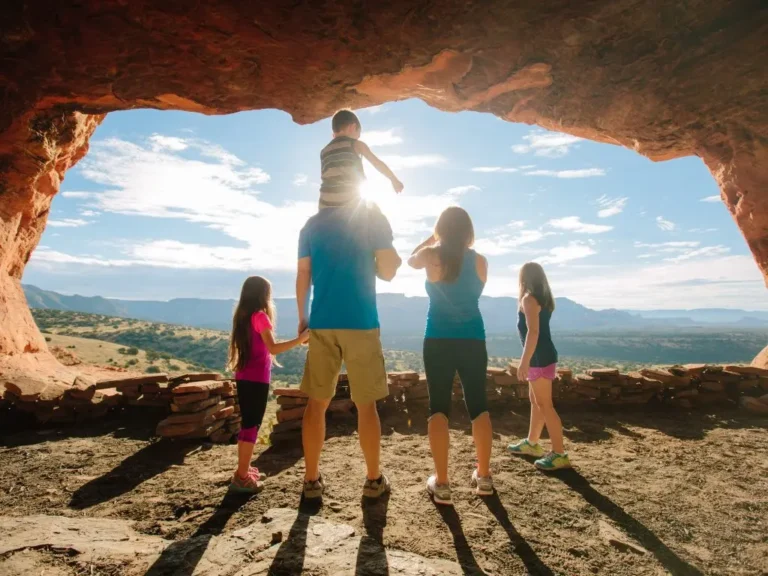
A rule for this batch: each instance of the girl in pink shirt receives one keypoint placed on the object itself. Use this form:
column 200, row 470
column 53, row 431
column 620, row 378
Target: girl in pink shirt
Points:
column 252, row 347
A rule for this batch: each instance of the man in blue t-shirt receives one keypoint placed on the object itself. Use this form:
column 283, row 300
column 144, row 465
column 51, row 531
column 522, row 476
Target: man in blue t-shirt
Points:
column 341, row 252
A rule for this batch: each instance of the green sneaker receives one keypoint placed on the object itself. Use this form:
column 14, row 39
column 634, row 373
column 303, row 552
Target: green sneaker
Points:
column 525, row 448
column 553, row 461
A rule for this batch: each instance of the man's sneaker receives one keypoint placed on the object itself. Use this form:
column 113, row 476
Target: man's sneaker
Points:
column 314, row 489
column 483, row 485
column 441, row 493
column 525, row 448
column 251, row 484
column 375, row 488
column 553, row 461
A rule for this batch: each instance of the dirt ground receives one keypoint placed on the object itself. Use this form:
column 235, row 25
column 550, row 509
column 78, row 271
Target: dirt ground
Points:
column 651, row 493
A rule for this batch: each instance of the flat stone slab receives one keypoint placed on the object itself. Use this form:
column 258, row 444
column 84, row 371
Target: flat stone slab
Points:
column 306, row 544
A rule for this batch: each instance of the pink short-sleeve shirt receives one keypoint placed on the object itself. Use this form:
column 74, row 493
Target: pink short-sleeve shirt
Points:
column 259, row 365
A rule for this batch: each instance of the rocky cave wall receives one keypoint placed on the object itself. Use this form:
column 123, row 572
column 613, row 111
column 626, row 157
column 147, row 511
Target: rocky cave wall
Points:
column 666, row 79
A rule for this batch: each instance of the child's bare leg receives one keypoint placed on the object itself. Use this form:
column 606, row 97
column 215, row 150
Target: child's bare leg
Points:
column 537, row 418
column 244, row 456
column 543, row 390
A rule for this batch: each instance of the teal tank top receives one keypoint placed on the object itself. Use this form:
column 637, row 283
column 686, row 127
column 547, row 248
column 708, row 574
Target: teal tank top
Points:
column 454, row 307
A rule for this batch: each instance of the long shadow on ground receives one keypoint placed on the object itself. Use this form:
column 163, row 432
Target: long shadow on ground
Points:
column 181, row 558
column 371, row 554
column 139, row 467
column 532, row 562
column 630, row 525
column 289, row 559
column 464, row 554
column 596, row 424
column 20, row 429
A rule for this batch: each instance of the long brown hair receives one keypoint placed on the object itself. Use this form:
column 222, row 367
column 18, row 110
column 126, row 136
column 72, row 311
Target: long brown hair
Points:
column 256, row 296
column 455, row 232
column 533, row 281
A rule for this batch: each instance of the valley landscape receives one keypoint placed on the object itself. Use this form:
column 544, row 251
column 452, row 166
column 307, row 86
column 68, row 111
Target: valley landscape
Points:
column 197, row 331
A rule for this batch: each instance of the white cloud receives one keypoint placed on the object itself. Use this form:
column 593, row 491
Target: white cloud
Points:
column 665, row 245
column 397, row 162
column 88, row 213
column 726, row 281
column 68, row 223
column 490, row 169
column 373, row 110
column 78, row 194
column 216, row 191
column 715, row 198
column 159, row 142
column 705, row 251
column 381, row 138
column 527, row 166
column 581, row 173
column 665, row 225
column 574, row 224
column 702, row 230
column 44, row 256
column 459, row 190
column 300, row 179
column 507, row 243
column 550, row 144
column 610, row 206
column 568, row 253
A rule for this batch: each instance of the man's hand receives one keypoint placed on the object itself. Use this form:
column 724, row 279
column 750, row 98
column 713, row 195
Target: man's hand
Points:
column 304, row 336
column 397, row 186
column 303, row 325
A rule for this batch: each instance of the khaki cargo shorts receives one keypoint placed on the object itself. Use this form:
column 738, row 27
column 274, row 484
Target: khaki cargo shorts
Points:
column 360, row 350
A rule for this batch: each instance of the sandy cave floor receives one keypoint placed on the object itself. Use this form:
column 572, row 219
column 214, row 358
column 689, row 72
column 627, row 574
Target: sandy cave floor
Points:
column 688, row 492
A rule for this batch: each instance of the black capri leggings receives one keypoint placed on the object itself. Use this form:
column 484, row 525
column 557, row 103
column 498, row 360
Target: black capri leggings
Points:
column 252, row 397
column 443, row 357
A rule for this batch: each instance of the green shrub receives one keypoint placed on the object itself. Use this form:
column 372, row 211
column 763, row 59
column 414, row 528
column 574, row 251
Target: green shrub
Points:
column 152, row 370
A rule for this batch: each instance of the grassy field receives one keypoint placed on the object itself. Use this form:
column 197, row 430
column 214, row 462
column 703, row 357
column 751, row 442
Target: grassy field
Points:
column 72, row 350
column 166, row 346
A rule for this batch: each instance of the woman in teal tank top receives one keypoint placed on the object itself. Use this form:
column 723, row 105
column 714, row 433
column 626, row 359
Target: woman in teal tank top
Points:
column 538, row 366
column 454, row 341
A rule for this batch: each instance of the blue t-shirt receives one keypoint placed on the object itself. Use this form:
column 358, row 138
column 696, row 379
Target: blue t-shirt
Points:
column 341, row 243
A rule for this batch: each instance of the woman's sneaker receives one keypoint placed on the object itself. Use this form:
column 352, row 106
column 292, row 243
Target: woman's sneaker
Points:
column 251, row 484
column 375, row 488
column 553, row 461
column 314, row 489
column 525, row 448
column 441, row 493
column 483, row 485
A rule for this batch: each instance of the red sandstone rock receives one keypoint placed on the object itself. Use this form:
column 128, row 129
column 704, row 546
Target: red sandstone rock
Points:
column 182, row 399
column 688, row 79
column 195, row 406
column 195, row 377
column 761, row 360
column 131, row 381
column 748, row 370
column 294, row 392
column 212, row 386
column 754, row 405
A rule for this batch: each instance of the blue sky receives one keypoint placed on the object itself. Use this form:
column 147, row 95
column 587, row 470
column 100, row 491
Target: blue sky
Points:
column 173, row 204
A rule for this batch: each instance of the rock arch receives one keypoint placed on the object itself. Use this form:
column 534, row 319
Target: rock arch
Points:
column 666, row 79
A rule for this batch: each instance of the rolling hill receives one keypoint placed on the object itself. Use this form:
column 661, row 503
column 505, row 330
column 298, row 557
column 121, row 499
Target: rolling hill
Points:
column 402, row 315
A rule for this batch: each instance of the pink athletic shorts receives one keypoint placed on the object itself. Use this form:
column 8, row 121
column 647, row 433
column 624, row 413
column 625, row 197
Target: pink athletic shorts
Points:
column 548, row 372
